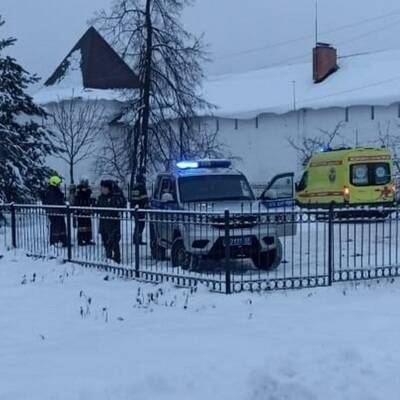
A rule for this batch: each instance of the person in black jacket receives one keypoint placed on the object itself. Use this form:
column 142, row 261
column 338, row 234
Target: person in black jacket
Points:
column 110, row 223
column 83, row 198
column 139, row 199
column 53, row 196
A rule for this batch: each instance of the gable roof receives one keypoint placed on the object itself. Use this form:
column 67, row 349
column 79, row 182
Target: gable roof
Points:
column 362, row 80
column 101, row 67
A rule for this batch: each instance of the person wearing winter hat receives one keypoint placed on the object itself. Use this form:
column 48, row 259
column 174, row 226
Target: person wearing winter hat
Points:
column 110, row 223
column 83, row 198
column 53, row 196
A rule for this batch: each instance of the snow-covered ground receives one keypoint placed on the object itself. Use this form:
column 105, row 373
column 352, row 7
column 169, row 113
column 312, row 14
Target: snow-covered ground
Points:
column 71, row 333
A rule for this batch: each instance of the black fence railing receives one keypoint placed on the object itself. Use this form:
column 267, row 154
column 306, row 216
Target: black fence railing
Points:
column 227, row 251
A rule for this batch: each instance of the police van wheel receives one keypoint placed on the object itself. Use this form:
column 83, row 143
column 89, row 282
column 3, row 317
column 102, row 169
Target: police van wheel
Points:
column 157, row 252
column 269, row 260
column 180, row 257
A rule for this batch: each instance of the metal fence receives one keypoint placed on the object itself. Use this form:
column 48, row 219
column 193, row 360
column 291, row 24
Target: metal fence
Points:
column 227, row 251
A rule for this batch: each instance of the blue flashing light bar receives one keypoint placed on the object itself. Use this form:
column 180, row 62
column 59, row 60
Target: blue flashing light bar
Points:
column 204, row 164
column 187, row 164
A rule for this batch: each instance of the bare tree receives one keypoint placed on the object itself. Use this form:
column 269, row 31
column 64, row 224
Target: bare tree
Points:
column 150, row 37
column 113, row 160
column 76, row 125
column 201, row 142
column 307, row 146
column 390, row 141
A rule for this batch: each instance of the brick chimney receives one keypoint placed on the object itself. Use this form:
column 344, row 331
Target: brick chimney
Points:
column 324, row 61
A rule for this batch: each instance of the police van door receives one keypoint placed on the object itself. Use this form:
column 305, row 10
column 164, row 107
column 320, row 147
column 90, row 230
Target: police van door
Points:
column 278, row 199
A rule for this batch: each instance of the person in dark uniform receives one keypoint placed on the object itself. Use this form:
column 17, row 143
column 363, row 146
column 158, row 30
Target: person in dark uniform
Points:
column 139, row 199
column 110, row 223
column 83, row 198
column 53, row 196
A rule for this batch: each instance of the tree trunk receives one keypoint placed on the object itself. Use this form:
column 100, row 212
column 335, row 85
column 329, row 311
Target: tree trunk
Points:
column 134, row 146
column 147, row 87
column 71, row 172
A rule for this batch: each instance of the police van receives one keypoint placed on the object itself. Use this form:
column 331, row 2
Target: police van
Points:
column 212, row 186
column 348, row 177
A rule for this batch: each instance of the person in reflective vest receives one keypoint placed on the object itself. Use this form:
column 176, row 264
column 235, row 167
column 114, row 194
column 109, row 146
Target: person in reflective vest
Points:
column 53, row 196
column 139, row 199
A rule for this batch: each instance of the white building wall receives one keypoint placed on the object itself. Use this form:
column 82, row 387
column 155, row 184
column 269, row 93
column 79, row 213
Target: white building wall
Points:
column 262, row 148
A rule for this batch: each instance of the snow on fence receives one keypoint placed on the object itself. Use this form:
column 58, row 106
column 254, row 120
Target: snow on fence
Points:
column 314, row 248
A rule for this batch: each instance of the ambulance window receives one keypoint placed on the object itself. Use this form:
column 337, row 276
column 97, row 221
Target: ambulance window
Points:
column 381, row 174
column 359, row 174
column 370, row 174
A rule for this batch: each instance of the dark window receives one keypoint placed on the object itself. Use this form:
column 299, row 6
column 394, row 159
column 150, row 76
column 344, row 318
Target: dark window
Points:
column 373, row 174
column 166, row 186
column 256, row 122
column 372, row 112
column 217, row 124
column 346, row 114
column 236, row 124
column 302, row 185
column 359, row 175
column 398, row 110
column 214, row 188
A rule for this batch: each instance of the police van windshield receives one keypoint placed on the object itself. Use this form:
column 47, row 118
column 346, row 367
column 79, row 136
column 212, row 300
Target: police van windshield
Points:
column 214, row 188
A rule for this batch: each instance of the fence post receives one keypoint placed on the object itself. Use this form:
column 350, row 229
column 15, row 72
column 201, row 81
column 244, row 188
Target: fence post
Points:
column 330, row 245
column 227, row 254
column 69, row 233
column 13, row 227
column 137, row 244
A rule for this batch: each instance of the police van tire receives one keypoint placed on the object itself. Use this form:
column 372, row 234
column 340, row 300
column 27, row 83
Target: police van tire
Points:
column 269, row 260
column 180, row 257
column 158, row 252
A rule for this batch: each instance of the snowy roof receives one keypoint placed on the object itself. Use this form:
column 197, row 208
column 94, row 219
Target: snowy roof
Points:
column 91, row 70
column 367, row 79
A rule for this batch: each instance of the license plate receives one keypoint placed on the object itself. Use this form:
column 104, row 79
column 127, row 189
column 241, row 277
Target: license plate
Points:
column 240, row 241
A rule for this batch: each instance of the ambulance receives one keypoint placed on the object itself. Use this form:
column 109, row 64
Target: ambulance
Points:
column 348, row 177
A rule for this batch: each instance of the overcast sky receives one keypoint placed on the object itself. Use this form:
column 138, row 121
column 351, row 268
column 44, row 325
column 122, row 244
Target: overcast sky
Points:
column 242, row 34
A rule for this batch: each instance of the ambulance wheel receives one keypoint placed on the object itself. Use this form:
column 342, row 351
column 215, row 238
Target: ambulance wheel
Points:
column 157, row 252
column 182, row 258
column 268, row 260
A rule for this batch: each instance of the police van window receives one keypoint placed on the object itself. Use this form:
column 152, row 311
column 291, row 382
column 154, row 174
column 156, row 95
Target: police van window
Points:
column 246, row 189
column 370, row 174
column 283, row 186
column 167, row 186
column 214, row 188
column 359, row 175
column 302, row 185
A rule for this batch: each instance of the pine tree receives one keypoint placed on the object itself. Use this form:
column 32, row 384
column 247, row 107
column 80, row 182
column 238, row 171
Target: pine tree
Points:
column 24, row 143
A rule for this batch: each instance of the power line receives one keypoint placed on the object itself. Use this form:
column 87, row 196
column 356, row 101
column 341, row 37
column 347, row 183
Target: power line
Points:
column 374, row 84
column 397, row 22
column 347, row 41
column 300, row 38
